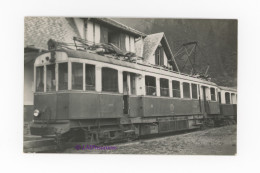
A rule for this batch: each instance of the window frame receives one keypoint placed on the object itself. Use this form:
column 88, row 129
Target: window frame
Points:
column 159, row 51
column 155, row 87
column 188, row 90
column 179, row 90
column 226, row 98
column 102, row 87
column 82, row 89
column 35, row 78
column 58, row 75
column 215, row 98
column 164, row 88
column 197, row 94
column 84, row 77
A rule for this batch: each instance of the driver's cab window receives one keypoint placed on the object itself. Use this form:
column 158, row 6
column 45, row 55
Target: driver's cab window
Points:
column 40, row 79
column 50, row 78
column 63, row 76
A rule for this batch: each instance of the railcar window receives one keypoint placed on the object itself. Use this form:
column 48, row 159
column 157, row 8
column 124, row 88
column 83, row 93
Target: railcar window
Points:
column 194, row 91
column 213, row 94
column 77, row 76
column 233, row 98
column 39, row 79
column 227, row 98
column 63, row 76
column 176, row 89
column 219, row 97
column 90, row 77
column 186, row 90
column 132, row 82
column 164, row 87
column 50, row 78
column 150, row 85
column 109, row 80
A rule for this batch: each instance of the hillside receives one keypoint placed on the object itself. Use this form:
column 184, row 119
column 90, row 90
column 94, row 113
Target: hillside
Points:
column 217, row 43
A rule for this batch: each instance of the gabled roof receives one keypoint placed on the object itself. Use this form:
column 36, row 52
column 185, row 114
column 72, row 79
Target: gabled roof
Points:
column 120, row 26
column 151, row 42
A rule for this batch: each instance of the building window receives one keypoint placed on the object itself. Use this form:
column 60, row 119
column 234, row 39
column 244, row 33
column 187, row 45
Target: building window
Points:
column 40, row 79
column 109, row 80
column 194, row 91
column 213, row 94
column 63, row 76
column 50, row 78
column 159, row 56
column 150, row 85
column 227, row 98
column 164, row 87
column 90, row 77
column 186, row 90
column 114, row 38
column 176, row 89
column 77, row 76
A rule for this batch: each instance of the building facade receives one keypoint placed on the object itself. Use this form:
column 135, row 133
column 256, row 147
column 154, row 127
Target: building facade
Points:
column 148, row 49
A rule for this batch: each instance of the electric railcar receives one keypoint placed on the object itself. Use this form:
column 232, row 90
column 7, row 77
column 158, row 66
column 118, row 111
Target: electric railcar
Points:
column 79, row 94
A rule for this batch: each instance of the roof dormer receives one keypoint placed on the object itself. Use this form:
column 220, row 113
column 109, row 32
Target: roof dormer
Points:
column 156, row 51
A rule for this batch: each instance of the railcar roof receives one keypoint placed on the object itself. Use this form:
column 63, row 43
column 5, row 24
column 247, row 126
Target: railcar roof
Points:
column 95, row 57
column 228, row 88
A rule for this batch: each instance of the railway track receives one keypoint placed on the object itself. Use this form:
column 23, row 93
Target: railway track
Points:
column 37, row 144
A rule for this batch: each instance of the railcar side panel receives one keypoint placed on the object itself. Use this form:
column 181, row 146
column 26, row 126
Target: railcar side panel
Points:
column 153, row 106
column 62, row 106
column 111, row 106
column 227, row 109
column 84, row 105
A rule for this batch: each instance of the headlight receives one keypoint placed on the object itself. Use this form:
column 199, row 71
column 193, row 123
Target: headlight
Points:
column 36, row 112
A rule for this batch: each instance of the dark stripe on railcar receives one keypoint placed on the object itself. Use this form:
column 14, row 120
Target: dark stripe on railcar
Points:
column 228, row 109
column 159, row 106
column 211, row 107
column 79, row 105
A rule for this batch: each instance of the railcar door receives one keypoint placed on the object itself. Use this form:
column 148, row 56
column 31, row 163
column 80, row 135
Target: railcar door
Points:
column 126, row 93
column 205, row 100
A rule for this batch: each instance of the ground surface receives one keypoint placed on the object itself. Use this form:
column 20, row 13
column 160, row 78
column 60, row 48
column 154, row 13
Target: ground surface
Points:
column 217, row 141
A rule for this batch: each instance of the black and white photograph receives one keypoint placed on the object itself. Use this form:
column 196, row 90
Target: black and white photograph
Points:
column 130, row 86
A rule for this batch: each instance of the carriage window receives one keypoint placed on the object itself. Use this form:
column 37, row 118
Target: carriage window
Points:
column 90, row 77
column 132, row 82
column 176, row 89
column 77, row 76
column 150, row 85
column 39, row 79
column 63, row 76
column 233, row 98
column 109, row 80
column 50, row 78
column 219, row 97
column 194, row 91
column 164, row 87
column 213, row 94
column 227, row 97
column 186, row 90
